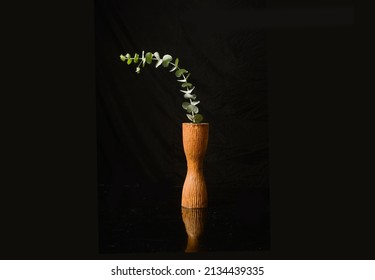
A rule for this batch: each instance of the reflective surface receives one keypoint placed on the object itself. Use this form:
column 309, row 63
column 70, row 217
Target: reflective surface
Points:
column 140, row 220
column 194, row 220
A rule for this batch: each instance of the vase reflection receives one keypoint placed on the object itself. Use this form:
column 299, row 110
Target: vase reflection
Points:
column 194, row 220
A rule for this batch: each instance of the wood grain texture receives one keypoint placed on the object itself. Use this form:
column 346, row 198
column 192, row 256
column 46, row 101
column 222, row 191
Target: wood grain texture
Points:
column 195, row 140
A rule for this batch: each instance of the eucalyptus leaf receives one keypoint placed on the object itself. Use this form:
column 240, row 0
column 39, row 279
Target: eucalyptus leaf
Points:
column 158, row 63
column 198, row 118
column 190, row 117
column 192, row 108
column 190, row 96
column 143, row 59
column 136, row 56
column 189, row 91
column 189, row 108
column 184, row 80
column 179, row 72
column 185, row 105
column 148, row 58
column 166, row 59
column 156, row 54
column 186, row 85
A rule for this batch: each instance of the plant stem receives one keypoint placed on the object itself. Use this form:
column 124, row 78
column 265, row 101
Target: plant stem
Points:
column 186, row 87
column 178, row 68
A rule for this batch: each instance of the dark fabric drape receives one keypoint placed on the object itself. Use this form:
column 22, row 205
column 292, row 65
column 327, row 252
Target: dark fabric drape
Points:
column 139, row 116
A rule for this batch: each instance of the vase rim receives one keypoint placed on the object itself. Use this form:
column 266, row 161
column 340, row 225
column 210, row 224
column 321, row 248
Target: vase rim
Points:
column 187, row 123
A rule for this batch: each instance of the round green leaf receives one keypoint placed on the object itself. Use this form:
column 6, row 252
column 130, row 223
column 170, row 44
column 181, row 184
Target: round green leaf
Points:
column 148, row 58
column 190, row 96
column 179, row 72
column 198, row 118
column 130, row 61
column 166, row 59
column 186, row 85
column 122, row 57
column 191, row 108
column 185, row 105
column 136, row 56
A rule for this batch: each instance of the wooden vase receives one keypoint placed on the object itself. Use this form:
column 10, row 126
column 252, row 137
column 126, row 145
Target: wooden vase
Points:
column 194, row 220
column 195, row 140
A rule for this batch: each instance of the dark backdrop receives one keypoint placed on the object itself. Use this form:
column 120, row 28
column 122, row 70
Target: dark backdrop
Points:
column 321, row 112
column 139, row 116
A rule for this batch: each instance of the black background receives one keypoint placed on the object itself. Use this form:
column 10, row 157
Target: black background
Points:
column 320, row 157
column 139, row 117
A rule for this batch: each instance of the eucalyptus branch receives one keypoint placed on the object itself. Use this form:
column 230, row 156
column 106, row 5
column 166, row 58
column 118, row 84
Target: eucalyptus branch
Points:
column 166, row 61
